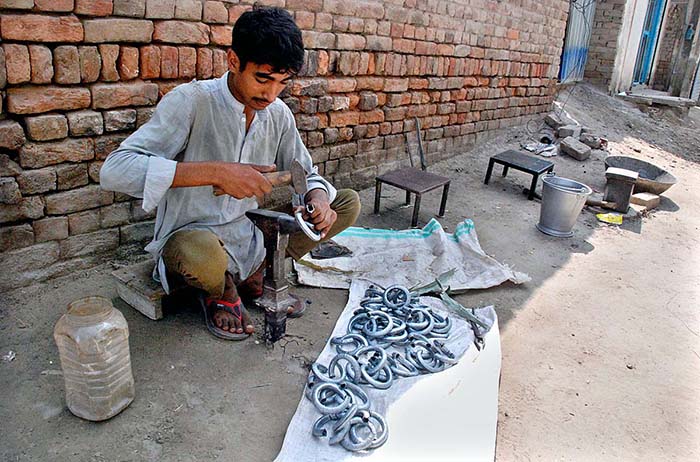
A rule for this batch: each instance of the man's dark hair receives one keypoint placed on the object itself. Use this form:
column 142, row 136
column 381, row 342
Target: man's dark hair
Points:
column 267, row 35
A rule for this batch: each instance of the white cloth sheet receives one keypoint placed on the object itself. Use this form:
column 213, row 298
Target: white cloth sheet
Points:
column 409, row 257
column 446, row 416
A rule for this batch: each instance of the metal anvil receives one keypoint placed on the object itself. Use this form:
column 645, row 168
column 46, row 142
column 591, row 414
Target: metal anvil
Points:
column 276, row 299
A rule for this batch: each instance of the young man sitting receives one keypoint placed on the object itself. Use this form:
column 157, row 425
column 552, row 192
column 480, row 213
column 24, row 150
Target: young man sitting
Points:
column 222, row 134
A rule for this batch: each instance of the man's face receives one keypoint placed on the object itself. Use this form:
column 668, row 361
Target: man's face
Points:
column 257, row 85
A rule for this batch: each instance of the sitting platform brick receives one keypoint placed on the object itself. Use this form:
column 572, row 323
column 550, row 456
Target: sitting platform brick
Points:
column 135, row 285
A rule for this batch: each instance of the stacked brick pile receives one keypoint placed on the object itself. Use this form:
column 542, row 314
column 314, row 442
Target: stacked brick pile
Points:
column 602, row 47
column 77, row 76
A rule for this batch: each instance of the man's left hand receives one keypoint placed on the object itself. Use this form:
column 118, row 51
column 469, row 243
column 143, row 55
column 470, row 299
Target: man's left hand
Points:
column 323, row 215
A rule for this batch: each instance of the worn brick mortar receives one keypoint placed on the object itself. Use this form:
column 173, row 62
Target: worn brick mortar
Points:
column 77, row 80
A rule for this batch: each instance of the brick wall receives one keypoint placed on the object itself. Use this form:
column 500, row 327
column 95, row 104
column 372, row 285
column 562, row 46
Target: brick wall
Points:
column 603, row 44
column 77, row 76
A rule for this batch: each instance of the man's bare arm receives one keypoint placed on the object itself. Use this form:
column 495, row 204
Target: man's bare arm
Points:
column 234, row 179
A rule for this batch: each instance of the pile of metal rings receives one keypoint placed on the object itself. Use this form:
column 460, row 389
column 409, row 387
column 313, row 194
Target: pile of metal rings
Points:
column 391, row 335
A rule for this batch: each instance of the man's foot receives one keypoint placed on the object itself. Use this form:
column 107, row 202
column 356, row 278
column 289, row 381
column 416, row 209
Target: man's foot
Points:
column 252, row 288
column 227, row 317
column 230, row 316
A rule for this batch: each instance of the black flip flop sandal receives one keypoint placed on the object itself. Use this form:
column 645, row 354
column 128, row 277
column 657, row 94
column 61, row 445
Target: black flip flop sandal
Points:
column 211, row 305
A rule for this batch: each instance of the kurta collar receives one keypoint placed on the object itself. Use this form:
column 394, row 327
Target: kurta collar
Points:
column 236, row 105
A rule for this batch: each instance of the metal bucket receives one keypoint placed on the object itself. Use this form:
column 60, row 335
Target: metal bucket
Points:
column 562, row 201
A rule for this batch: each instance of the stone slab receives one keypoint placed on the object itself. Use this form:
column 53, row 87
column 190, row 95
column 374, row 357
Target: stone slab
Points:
column 135, row 285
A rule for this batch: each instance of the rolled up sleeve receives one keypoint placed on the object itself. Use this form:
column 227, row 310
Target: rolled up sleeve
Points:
column 143, row 165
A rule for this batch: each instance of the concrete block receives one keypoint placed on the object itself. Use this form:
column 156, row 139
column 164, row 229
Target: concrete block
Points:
column 555, row 120
column 569, row 130
column 591, row 140
column 647, row 200
column 575, row 148
column 135, row 285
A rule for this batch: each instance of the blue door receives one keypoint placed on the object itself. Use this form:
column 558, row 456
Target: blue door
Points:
column 650, row 37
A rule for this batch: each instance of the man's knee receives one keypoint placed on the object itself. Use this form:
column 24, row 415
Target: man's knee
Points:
column 347, row 206
column 198, row 256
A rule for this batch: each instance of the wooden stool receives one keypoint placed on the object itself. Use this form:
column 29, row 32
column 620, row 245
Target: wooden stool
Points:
column 522, row 162
column 418, row 182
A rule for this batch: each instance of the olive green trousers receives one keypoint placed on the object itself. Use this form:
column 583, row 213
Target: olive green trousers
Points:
column 197, row 258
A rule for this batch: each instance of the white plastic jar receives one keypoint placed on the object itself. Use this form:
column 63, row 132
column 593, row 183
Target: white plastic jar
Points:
column 93, row 343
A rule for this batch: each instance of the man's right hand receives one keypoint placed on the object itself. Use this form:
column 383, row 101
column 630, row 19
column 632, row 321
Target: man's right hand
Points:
column 243, row 180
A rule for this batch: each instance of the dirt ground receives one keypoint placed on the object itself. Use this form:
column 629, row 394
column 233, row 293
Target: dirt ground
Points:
column 601, row 350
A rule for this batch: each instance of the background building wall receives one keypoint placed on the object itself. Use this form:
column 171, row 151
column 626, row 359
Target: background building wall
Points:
column 77, row 76
column 673, row 29
column 603, row 44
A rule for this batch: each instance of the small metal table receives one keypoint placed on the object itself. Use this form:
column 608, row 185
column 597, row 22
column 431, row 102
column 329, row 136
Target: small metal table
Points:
column 415, row 181
column 522, row 162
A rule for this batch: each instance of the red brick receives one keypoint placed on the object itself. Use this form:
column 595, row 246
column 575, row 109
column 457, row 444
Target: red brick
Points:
column 313, row 39
column 90, row 63
column 11, row 135
column 17, row 4
column 150, row 62
column 341, row 85
column 53, row 5
column 36, row 155
column 323, row 62
column 403, row 45
column 69, row 176
column 104, row 145
column 35, row 100
column 395, row 85
column 28, row 208
column 204, row 63
column 221, row 35
column 93, row 7
column 50, row 229
column 165, row 86
column 188, row 9
column 304, row 19
column 42, row 64
column 372, row 117
column 236, row 11
column 40, row 28
column 168, row 62
column 128, row 63
column 187, row 62
column 17, row 63
column 342, row 119
column 110, row 55
column 3, row 73
column 66, row 64
column 118, row 30
column 324, row 22
column 160, row 9
column 305, row 5
column 377, row 43
column 370, row 83
column 46, row 127
column 131, row 8
column 76, row 200
column 181, row 32
column 106, row 96
column 220, row 65
column 215, row 12
column 350, row 42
